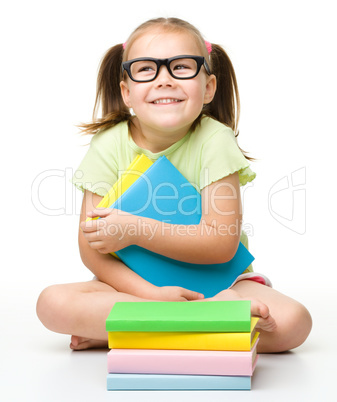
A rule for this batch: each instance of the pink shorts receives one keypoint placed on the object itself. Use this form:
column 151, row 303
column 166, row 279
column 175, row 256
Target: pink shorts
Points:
column 250, row 276
column 253, row 276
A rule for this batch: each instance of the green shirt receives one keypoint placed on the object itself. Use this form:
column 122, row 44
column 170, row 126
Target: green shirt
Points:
column 203, row 156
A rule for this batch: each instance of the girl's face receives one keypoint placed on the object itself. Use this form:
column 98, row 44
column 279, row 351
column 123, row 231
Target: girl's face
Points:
column 167, row 105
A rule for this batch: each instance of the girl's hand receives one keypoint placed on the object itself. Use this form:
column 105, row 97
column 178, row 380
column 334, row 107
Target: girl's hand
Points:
column 115, row 230
column 176, row 293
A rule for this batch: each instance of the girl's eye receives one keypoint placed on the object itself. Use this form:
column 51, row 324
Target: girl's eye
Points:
column 143, row 66
column 145, row 69
column 184, row 67
column 181, row 67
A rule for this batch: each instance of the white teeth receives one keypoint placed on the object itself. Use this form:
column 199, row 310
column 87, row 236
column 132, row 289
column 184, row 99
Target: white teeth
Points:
column 165, row 101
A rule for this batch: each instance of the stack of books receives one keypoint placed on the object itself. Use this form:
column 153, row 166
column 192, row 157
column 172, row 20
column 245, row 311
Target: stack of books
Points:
column 208, row 345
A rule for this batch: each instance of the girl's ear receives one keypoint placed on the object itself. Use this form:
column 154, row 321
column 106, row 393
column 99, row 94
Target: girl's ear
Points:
column 210, row 89
column 125, row 91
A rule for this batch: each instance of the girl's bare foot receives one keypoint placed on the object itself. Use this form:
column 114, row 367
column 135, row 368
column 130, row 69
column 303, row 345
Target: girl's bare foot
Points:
column 258, row 309
column 79, row 343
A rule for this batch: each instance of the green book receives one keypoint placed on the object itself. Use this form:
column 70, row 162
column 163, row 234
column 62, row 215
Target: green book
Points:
column 206, row 316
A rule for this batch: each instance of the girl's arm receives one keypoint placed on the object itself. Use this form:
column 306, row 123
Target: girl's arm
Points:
column 214, row 240
column 115, row 273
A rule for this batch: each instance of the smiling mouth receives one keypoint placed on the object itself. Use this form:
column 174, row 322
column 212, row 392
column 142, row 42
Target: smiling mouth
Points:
column 165, row 101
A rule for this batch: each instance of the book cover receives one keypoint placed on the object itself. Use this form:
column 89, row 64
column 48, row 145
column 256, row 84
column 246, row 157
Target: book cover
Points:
column 164, row 194
column 235, row 341
column 206, row 316
column 119, row 382
column 190, row 362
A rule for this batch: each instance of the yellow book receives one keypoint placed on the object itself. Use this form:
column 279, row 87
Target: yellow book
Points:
column 137, row 167
column 243, row 341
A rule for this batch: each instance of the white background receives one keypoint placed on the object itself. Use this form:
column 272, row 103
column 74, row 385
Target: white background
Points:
column 284, row 54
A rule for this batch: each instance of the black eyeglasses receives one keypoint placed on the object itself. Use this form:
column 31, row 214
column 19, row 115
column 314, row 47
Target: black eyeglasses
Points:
column 146, row 69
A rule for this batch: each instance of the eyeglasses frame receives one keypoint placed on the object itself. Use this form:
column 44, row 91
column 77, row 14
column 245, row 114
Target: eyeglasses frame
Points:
column 200, row 60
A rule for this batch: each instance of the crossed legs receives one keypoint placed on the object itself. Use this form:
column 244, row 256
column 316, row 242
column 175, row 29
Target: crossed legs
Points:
column 80, row 310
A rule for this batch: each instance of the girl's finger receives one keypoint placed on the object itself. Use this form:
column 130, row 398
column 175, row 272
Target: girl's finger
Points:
column 99, row 213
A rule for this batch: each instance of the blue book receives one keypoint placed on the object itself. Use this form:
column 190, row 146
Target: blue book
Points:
column 164, row 194
column 162, row 382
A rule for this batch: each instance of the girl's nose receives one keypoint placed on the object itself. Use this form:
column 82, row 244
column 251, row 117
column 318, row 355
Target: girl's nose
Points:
column 164, row 78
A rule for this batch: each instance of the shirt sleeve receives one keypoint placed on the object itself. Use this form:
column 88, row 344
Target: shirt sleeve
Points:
column 221, row 157
column 98, row 170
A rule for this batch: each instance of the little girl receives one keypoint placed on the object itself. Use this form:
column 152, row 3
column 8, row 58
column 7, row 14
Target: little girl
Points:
column 184, row 100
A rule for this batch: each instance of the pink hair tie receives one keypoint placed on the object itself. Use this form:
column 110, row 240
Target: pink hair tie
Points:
column 124, row 45
column 208, row 46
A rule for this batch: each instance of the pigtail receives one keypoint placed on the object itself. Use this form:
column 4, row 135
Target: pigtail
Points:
column 108, row 94
column 225, row 106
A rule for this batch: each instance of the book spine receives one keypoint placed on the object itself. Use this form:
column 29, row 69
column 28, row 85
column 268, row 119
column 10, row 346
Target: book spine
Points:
column 176, row 382
column 182, row 362
column 181, row 341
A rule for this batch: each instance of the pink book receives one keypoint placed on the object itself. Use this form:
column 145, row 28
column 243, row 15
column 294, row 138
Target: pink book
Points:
column 194, row 362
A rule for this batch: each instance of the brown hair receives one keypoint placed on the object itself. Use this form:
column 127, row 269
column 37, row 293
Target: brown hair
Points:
column 225, row 106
